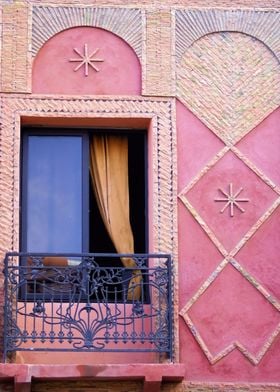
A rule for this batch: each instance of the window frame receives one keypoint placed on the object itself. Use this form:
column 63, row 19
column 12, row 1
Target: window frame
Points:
column 85, row 134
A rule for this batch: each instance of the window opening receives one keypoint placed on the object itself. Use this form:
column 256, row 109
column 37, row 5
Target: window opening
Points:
column 59, row 209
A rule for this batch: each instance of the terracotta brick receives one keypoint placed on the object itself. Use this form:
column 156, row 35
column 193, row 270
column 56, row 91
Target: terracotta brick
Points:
column 159, row 79
column 162, row 3
column 220, row 68
column 15, row 54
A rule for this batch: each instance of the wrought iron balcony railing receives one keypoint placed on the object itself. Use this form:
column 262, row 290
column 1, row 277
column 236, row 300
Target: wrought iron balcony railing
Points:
column 76, row 303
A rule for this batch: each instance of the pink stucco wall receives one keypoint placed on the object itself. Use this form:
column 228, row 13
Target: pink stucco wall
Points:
column 227, row 277
column 224, row 292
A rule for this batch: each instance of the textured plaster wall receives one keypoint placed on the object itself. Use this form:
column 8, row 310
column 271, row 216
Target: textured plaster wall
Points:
column 220, row 61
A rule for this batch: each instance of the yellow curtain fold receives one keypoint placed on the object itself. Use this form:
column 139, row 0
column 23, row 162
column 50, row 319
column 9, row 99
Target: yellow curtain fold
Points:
column 109, row 174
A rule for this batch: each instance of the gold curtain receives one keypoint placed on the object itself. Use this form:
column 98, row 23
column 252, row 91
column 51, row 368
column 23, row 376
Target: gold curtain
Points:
column 109, row 173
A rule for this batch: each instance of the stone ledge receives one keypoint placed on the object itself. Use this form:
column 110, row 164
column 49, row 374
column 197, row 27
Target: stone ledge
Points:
column 152, row 375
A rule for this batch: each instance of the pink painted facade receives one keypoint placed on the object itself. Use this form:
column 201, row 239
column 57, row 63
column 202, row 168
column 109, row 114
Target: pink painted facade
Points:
column 223, row 310
column 119, row 74
column 213, row 177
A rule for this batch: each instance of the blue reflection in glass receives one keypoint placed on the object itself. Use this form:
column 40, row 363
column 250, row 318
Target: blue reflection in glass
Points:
column 54, row 194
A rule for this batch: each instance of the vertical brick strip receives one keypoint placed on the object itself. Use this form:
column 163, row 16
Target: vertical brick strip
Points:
column 14, row 65
column 159, row 79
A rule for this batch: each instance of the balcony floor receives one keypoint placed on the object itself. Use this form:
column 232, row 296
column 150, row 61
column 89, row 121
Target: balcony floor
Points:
column 152, row 375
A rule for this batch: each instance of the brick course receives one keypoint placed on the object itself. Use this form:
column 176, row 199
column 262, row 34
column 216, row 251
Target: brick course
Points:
column 159, row 78
column 163, row 3
column 14, row 55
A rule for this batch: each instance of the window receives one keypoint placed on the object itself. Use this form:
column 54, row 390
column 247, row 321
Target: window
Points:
column 60, row 211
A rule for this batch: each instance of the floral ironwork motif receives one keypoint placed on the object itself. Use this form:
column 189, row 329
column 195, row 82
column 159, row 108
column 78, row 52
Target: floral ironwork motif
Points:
column 85, row 307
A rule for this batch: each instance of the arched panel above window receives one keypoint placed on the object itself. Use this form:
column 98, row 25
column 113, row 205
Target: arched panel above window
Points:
column 86, row 60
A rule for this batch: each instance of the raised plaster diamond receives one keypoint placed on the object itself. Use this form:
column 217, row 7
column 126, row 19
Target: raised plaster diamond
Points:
column 198, row 197
column 86, row 60
column 233, row 316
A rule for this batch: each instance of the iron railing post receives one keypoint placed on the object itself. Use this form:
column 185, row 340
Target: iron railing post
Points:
column 171, row 306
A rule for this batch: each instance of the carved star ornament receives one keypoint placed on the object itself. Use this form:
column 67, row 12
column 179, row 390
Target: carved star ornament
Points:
column 231, row 200
column 86, row 60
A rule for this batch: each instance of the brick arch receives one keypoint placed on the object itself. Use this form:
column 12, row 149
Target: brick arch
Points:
column 191, row 25
column 114, row 68
column 50, row 20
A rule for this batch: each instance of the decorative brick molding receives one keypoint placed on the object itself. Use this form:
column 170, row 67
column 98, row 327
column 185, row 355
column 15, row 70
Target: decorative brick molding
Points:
column 194, row 24
column 50, row 20
column 231, row 81
column 159, row 111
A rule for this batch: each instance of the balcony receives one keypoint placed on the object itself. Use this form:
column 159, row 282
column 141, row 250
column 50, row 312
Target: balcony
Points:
column 86, row 305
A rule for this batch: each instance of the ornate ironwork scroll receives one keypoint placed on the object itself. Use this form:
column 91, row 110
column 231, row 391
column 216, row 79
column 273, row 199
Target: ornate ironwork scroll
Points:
column 84, row 307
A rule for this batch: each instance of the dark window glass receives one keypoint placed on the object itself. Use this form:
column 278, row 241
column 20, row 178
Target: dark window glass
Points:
column 54, row 194
column 59, row 210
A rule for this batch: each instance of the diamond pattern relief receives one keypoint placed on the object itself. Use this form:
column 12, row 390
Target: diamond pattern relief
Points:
column 198, row 258
column 230, row 81
column 196, row 144
column 227, row 317
column 262, row 146
column 260, row 255
column 201, row 199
